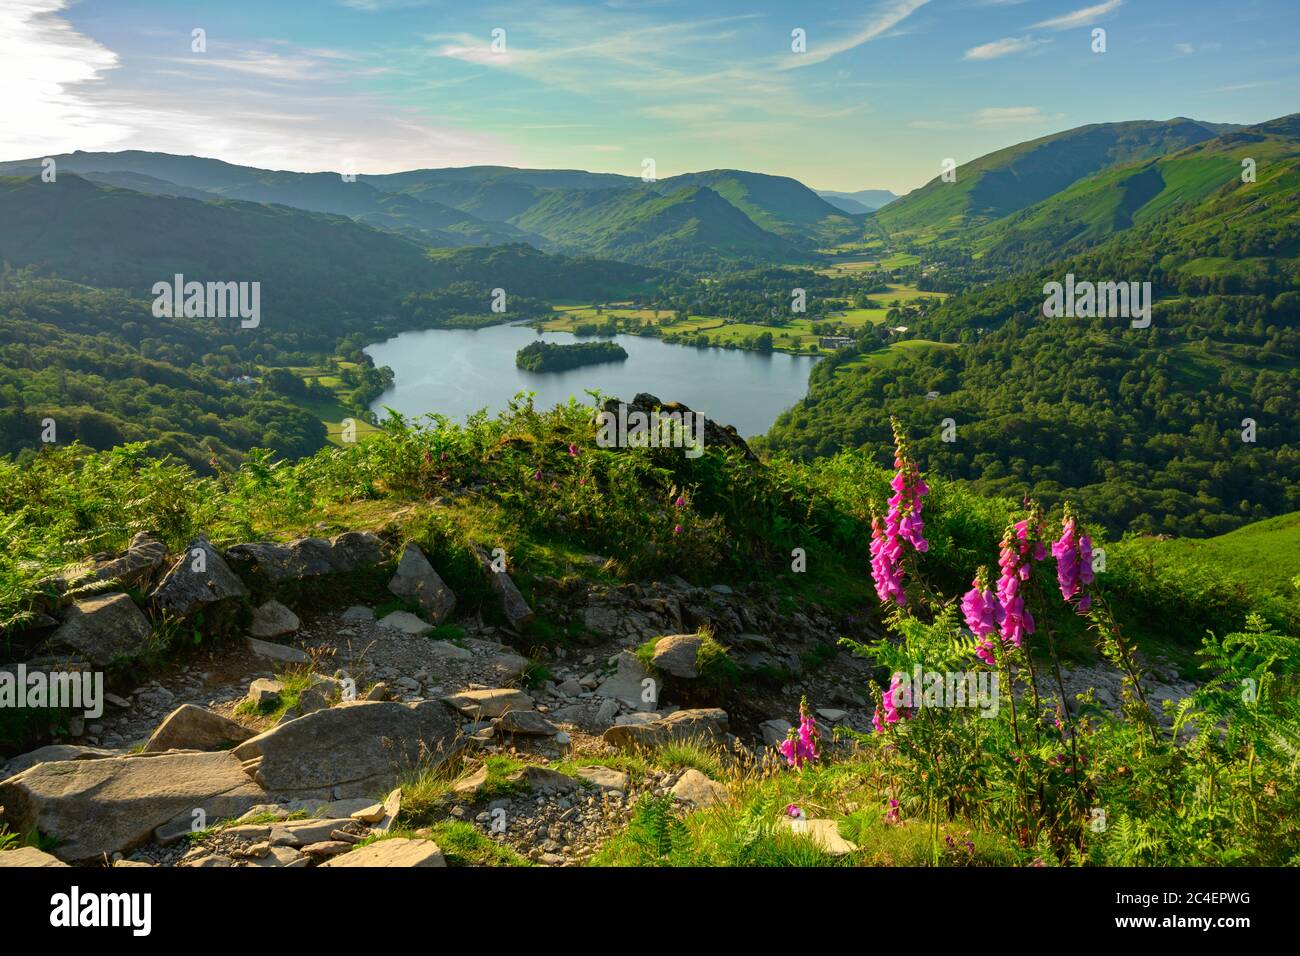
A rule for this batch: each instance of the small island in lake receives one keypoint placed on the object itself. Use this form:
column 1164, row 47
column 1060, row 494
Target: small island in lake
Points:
column 545, row 357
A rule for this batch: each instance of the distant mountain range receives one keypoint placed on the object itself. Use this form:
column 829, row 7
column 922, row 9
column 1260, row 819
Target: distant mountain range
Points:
column 697, row 218
column 859, row 203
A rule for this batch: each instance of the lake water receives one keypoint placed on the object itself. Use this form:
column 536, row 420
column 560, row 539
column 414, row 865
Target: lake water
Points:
column 456, row 372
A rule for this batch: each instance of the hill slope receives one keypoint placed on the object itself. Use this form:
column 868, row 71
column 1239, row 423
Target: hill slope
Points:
column 1008, row 180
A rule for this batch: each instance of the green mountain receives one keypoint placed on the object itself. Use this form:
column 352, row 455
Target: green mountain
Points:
column 1011, row 179
column 1144, row 428
column 690, row 227
column 783, row 206
column 1095, row 208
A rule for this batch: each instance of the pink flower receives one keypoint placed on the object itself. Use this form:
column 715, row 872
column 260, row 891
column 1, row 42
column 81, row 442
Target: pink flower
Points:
column 891, row 815
column 902, row 524
column 573, row 449
column 984, row 615
column 677, row 529
column 1073, row 553
column 801, row 744
column 794, row 812
column 889, row 705
column 537, row 475
column 680, row 502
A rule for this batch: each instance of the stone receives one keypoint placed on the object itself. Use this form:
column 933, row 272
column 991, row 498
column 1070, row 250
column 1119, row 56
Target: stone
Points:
column 545, row 780
column 303, row 833
column 605, row 778
column 507, row 666
column 684, row 725
column 358, row 743
column 273, row 619
column 392, row 807
column 357, row 613
column 134, row 568
column 407, row 623
column 627, row 684
column 675, row 655
column 393, row 852
column 111, row 805
column 195, row 728
column 518, row 614
column 200, row 577
column 525, row 722
column 265, row 692
column 52, row 754
column 416, row 580
column 775, row 731
column 832, row 714
column 468, row 787
column 104, row 628
column 277, row 652
column 321, row 693
column 449, row 651
column 825, row 833
column 28, row 856
column 489, row 703
column 569, row 688
column 697, row 791
column 266, row 565
column 371, row 814
column 327, row 848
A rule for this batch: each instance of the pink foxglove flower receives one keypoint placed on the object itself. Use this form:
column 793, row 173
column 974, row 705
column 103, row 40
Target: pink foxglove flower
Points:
column 1073, row 553
column 984, row 615
column 1021, row 545
column 902, row 524
column 801, row 745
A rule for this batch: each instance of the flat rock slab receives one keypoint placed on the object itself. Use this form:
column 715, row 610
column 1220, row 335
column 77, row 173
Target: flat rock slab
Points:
column 263, row 563
column 406, row 623
column 52, row 754
column 189, row 727
column 416, row 580
column 111, row 805
column 396, row 851
column 545, row 780
column 683, row 725
column 675, row 655
column 199, row 577
column 490, row 703
column 277, row 652
column 28, row 856
column 605, row 778
column 104, row 628
column 525, row 722
column 366, row 744
column 518, row 614
column 825, row 833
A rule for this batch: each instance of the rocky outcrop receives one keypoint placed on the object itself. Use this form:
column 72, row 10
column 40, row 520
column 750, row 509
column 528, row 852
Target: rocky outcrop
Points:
column 104, row 628
column 628, row 684
column 715, row 435
column 199, row 578
column 416, row 580
column 195, row 728
column 482, row 704
column 697, row 791
column 96, row 807
column 136, row 567
column 264, row 565
column 352, row 749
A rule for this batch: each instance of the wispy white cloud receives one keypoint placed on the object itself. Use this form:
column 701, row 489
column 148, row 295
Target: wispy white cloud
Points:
column 1010, row 116
column 1003, row 47
column 1079, row 18
column 888, row 16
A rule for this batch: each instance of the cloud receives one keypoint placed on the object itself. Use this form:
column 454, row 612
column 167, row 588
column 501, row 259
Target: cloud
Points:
column 1003, row 47
column 1079, row 18
column 890, row 15
column 1184, row 48
column 47, row 70
column 1009, row 116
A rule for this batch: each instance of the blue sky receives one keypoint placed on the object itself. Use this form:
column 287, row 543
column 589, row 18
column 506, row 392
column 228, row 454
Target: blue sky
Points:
column 885, row 90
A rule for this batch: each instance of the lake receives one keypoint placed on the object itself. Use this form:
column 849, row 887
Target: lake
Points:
column 456, row 372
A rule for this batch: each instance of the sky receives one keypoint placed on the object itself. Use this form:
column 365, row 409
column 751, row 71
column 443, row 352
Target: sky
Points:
column 881, row 94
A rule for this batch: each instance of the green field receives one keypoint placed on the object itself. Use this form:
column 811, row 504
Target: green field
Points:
column 894, row 353
column 1265, row 554
column 332, row 412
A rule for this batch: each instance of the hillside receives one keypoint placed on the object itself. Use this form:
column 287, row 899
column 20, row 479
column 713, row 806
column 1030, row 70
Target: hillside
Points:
column 1008, row 180
column 1182, row 183
column 690, row 227
column 1141, row 427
